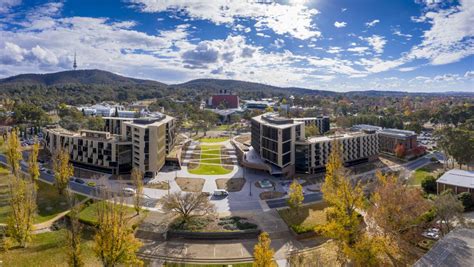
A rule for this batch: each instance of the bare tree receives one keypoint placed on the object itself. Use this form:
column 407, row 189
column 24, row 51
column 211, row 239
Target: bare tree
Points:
column 448, row 208
column 137, row 178
column 187, row 205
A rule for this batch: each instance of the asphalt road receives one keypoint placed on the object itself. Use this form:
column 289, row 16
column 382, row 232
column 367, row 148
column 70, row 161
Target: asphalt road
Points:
column 308, row 198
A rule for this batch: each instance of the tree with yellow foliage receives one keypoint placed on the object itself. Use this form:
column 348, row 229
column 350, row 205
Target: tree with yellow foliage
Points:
column 262, row 252
column 344, row 198
column 13, row 152
column 63, row 170
column 73, row 237
column 33, row 166
column 114, row 241
column 137, row 178
column 22, row 194
column 295, row 196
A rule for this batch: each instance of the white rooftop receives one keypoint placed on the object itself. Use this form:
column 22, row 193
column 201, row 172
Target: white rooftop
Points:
column 458, row 178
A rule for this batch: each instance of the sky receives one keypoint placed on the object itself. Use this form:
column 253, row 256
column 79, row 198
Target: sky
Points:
column 402, row 45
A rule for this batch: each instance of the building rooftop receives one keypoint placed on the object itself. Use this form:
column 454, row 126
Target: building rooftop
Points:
column 335, row 136
column 275, row 120
column 397, row 132
column 362, row 127
column 457, row 178
column 455, row 249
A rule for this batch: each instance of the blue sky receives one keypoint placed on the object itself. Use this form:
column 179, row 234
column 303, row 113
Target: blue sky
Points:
column 407, row 45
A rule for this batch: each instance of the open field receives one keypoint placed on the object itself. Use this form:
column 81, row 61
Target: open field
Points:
column 190, row 184
column 47, row 249
column 210, row 161
column 49, row 202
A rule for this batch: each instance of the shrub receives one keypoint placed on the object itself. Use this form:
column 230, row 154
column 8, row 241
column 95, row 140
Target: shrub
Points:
column 466, row 200
column 300, row 229
column 429, row 184
column 246, row 225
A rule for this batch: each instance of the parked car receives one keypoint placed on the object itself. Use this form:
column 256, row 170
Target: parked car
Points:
column 42, row 169
column 79, row 181
column 220, row 193
column 127, row 191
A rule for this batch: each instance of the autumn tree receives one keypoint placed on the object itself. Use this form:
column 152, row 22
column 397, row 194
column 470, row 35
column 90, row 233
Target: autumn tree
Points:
column 448, row 209
column 311, row 130
column 400, row 151
column 187, row 205
column 114, row 241
column 396, row 213
column 22, row 194
column 63, row 170
column 13, row 152
column 137, row 178
column 33, row 166
column 295, row 196
column 262, row 252
column 344, row 199
column 73, row 237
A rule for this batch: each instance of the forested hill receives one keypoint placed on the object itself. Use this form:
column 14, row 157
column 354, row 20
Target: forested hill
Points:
column 215, row 85
column 85, row 77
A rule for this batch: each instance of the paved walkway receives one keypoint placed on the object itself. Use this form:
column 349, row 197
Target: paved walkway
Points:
column 211, row 251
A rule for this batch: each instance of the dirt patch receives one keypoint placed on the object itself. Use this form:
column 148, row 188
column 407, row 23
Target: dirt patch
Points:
column 271, row 195
column 231, row 185
column 159, row 185
column 190, row 184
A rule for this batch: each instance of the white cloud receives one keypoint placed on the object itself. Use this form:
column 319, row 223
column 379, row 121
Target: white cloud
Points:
column 341, row 24
column 358, row 49
column 450, row 37
column 372, row 23
column 334, row 50
column 6, row 5
column 397, row 32
column 377, row 42
column 294, row 19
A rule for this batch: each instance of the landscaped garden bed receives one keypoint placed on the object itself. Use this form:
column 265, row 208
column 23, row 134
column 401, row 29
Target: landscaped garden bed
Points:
column 212, row 227
column 190, row 184
column 231, row 185
column 159, row 185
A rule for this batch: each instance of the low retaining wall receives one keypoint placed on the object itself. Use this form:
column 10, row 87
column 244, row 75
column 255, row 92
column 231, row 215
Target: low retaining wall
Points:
column 245, row 234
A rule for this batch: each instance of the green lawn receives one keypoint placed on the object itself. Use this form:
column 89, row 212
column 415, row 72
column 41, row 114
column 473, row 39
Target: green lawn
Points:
column 210, row 154
column 172, row 264
column 213, row 139
column 47, row 249
column 306, row 218
column 49, row 202
column 89, row 214
column 420, row 174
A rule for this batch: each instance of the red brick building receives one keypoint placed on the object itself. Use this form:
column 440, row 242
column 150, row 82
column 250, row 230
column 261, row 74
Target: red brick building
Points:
column 225, row 99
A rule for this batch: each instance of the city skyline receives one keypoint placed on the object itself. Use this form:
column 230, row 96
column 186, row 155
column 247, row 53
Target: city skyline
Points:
column 415, row 46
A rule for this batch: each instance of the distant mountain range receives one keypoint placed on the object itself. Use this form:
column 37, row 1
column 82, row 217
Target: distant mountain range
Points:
column 105, row 78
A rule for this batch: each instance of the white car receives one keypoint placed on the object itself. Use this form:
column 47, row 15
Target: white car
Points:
column 220, row 193
column 127, row 191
